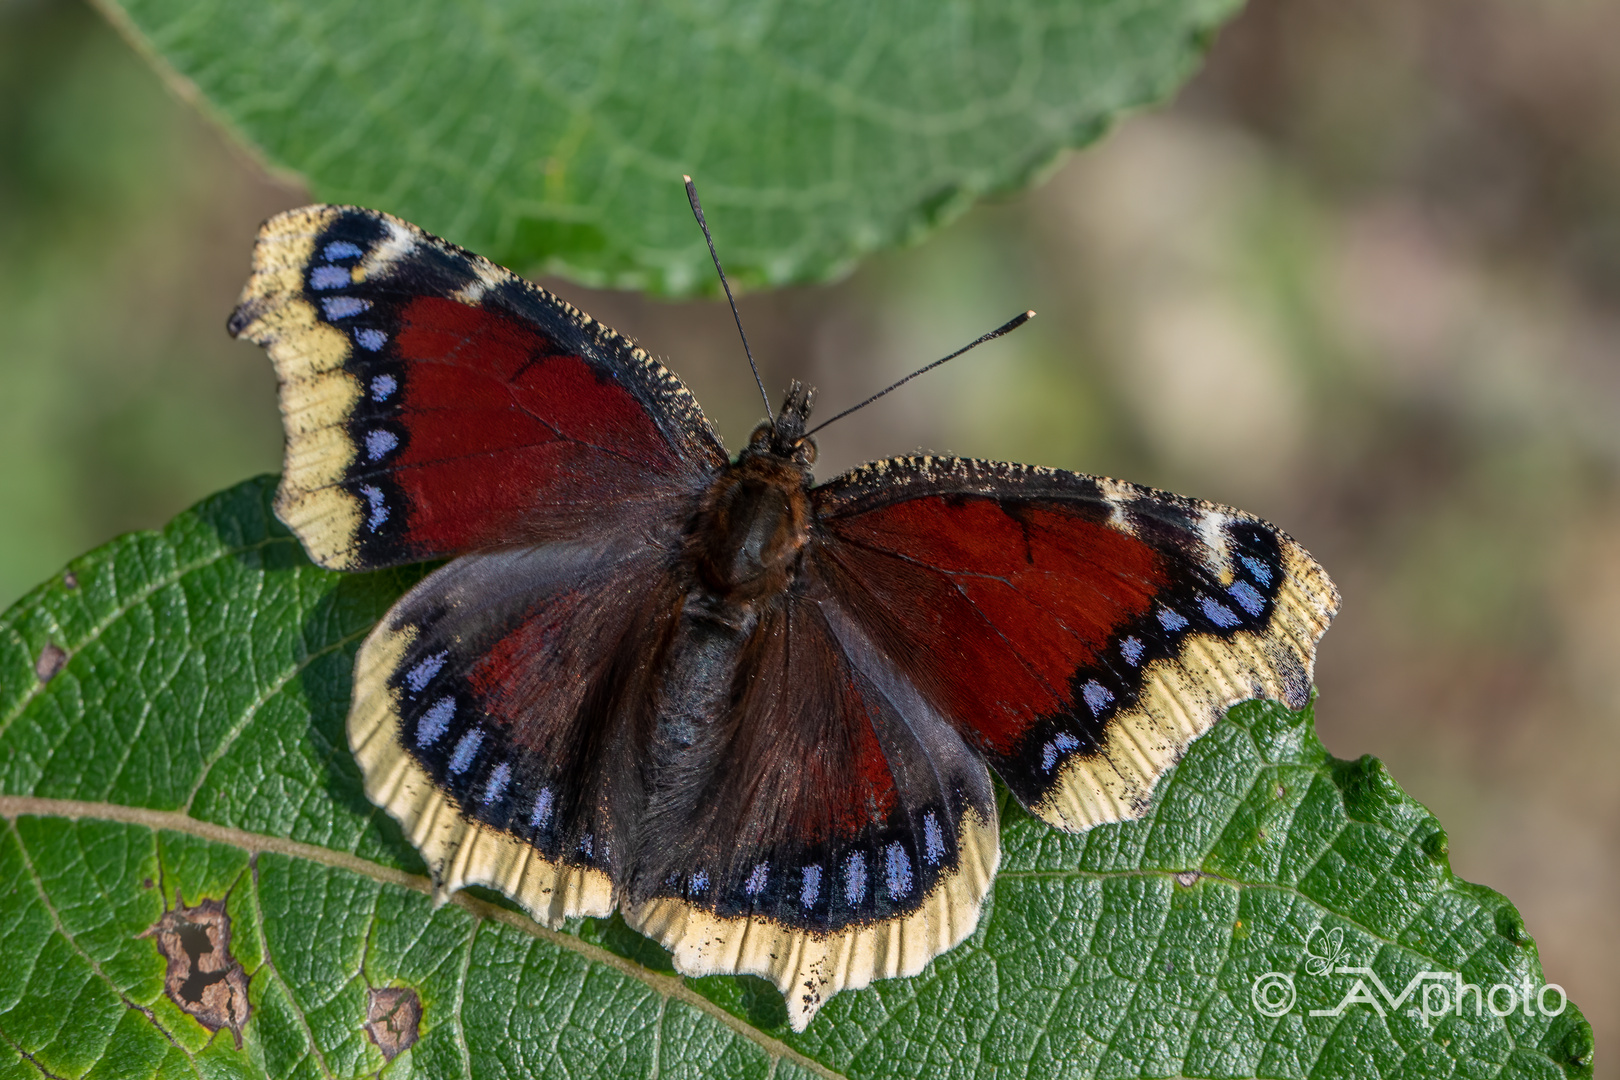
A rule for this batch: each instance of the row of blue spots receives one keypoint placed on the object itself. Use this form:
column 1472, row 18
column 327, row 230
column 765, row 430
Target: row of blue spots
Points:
column 466, row 751
column 330, row 277
column 1060, row 744
column 1097, row 697
column 370, row 339
column 1170, row 619
column 933, row 839
column 497, row 783
column 541, row 816
column 810, row 891
column 419, row 676
column 383, row 387
column 756, row 880
column 855, row 878
column 897, row 870
column 435, row 722
column 379, row 506
column 1131, row 649
column 342, row 307
column 1218, row 613
column 380, row 442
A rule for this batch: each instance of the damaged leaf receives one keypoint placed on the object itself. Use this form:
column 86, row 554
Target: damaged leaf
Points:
column 203, row 978
column 393, row 1018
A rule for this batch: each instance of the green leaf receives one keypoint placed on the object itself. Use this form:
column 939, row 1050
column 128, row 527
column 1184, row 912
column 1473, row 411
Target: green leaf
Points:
column 553, row 136
column 188, row 747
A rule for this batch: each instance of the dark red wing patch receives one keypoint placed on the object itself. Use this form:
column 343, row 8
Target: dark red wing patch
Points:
column 1020, row 594
column 435, row 403
column 1079, row 632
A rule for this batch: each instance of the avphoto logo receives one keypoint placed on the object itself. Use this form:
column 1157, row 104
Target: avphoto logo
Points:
column 1428, row 996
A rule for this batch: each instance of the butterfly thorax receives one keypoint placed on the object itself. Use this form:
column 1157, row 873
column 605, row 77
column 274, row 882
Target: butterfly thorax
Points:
column 752, row 526
column 754, row 520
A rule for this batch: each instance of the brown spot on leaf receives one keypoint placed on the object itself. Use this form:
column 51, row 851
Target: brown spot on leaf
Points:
column 51, row 660
column 393, row 1018
column 203, row 978
column 70, row 579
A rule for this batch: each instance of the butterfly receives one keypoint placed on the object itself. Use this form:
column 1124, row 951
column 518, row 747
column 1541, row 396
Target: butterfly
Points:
column 755, row 714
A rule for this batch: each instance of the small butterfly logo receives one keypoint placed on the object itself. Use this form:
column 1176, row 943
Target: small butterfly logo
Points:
column 1333, row 951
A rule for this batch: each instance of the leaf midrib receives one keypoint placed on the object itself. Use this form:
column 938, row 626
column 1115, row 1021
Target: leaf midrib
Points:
column 667, row 986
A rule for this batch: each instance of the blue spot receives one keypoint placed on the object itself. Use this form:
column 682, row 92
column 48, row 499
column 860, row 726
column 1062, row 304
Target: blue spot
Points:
column 341, row 307
column 1171, row 620
column 329, row 277
column 434, row 722
column 1245, row 595
column 1062, row 744
column 897, row 870
column 756, row 881
column 419, row 676
column 341, row 249
column 497, row 783
column 1098, row 697
column 1218, row 613
column 379, row 508
column 371, row 340
column 933, row 839
column 1257, row 569
column 811, row 890
column 466, row 751
column 1131, row 648
column 379, row 442
column 542, row 809
column 382, row 386
column 700, row 881
column 855, row 878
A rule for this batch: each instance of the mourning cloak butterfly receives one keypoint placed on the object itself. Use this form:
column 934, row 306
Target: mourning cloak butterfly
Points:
column 756, row 716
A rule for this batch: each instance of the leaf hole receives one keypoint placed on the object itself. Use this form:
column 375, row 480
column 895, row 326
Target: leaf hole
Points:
column 202, row 978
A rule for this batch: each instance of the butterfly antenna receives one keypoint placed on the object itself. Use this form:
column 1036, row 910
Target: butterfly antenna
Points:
column 697, row 212
column 1005, row 328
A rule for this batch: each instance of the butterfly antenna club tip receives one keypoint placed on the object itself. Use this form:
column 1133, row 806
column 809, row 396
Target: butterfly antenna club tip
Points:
column 1005, row 328
column 697, row 212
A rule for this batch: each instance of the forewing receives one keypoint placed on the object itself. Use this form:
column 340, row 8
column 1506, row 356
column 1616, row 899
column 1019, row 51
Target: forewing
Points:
column 1079, row 632
column 850, row 835
column 435, row 403
column 494, row 714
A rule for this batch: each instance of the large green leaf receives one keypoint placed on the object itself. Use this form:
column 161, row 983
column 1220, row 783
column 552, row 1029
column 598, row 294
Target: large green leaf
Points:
column 554, row 135
column 171, row 733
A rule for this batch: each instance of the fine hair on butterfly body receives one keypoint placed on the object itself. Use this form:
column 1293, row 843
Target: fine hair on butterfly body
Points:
column 756, row 714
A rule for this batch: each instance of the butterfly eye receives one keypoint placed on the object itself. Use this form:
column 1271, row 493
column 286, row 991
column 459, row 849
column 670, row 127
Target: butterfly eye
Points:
column 761, row 437
column 806, row 451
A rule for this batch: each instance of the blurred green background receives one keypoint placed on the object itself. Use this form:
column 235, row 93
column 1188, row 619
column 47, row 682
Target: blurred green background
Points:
column 1363, row 278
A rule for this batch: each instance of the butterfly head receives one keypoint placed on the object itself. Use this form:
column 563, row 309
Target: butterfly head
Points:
column 785, row 436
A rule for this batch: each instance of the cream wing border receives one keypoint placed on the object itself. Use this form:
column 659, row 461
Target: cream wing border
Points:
column 458, row 851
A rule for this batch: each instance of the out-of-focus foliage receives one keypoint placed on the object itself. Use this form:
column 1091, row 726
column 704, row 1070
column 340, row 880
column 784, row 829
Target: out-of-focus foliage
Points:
column 551, row 135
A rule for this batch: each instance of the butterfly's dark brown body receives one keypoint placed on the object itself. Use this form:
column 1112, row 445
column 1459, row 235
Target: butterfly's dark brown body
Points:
column 743, row 551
